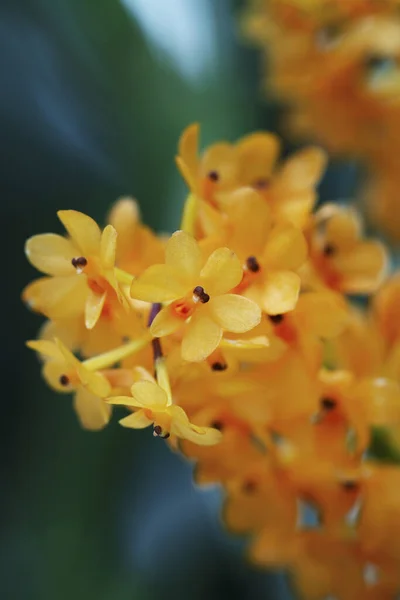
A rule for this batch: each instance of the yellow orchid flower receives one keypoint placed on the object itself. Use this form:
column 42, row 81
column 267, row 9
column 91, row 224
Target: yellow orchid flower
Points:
column 197, row 296
column 80, row 270
column 114, row 326
column 138, row 247
column 156, row 408
column 270, row 253
column 339, row 256
column 224, row 168
column 65, row 373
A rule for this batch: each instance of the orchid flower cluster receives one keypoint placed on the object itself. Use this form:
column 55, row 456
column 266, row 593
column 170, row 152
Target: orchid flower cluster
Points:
column 239, row 340
column 336, row 65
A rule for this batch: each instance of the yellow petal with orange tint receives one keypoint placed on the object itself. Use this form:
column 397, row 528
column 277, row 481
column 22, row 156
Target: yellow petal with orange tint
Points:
column 148, row 395
column 202, row 336
column 68, row 356
column 221, row 273
column 188, row 153
column 84, row 231
column 57, row 297
column 93, row 413
column 108, row 247
column 165, row 322
column 69, row 331
column 183, row 254
column 380, row 399
column 93, row 307
column 124, row 215
column 364, row 268
column 280, row 293
column 323, row 314
column 303, row 170
column 234, row 313
column 297, row 210
column 343, row 229
column 286, row 248
column 51, row 254
column 250, row 219
column 256, row 157
column 137, row 420
column 187, row 175
column 46, row 348
column 159, row 283
column 183, row 428
column 94, row 382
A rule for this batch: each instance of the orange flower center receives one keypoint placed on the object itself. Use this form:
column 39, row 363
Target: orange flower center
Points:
column 106, row 312
column 98, row 287
column 286, row 331
column 183, row 308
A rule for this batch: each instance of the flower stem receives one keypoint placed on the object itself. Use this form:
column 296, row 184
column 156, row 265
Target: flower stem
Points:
column 103, row 361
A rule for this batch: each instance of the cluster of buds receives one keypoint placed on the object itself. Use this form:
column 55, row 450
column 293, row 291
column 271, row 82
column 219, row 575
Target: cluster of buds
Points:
column 236, row 339
column 336, row 64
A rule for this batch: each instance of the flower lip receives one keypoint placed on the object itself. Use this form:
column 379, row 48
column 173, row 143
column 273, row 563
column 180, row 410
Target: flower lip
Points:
column 252, row 264
column 64, row 380
column 328, row 403
column 79, row 262
column 199, row 294
column 276, row 319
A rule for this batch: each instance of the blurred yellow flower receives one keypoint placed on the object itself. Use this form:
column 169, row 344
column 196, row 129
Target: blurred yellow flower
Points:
column 339, row 256
column 198, row 292
column 65, row 373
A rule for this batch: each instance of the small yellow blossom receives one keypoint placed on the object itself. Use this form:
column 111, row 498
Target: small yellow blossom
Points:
column 155, row 408
column 289, row 190
column 270, row 253
column 339, row 256
column 317, row 317
column 80, row 270
column 65, row 373
column 138, row 247
column 198, row 292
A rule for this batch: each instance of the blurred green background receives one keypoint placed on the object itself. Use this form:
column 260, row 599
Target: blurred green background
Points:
column 94, row 96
